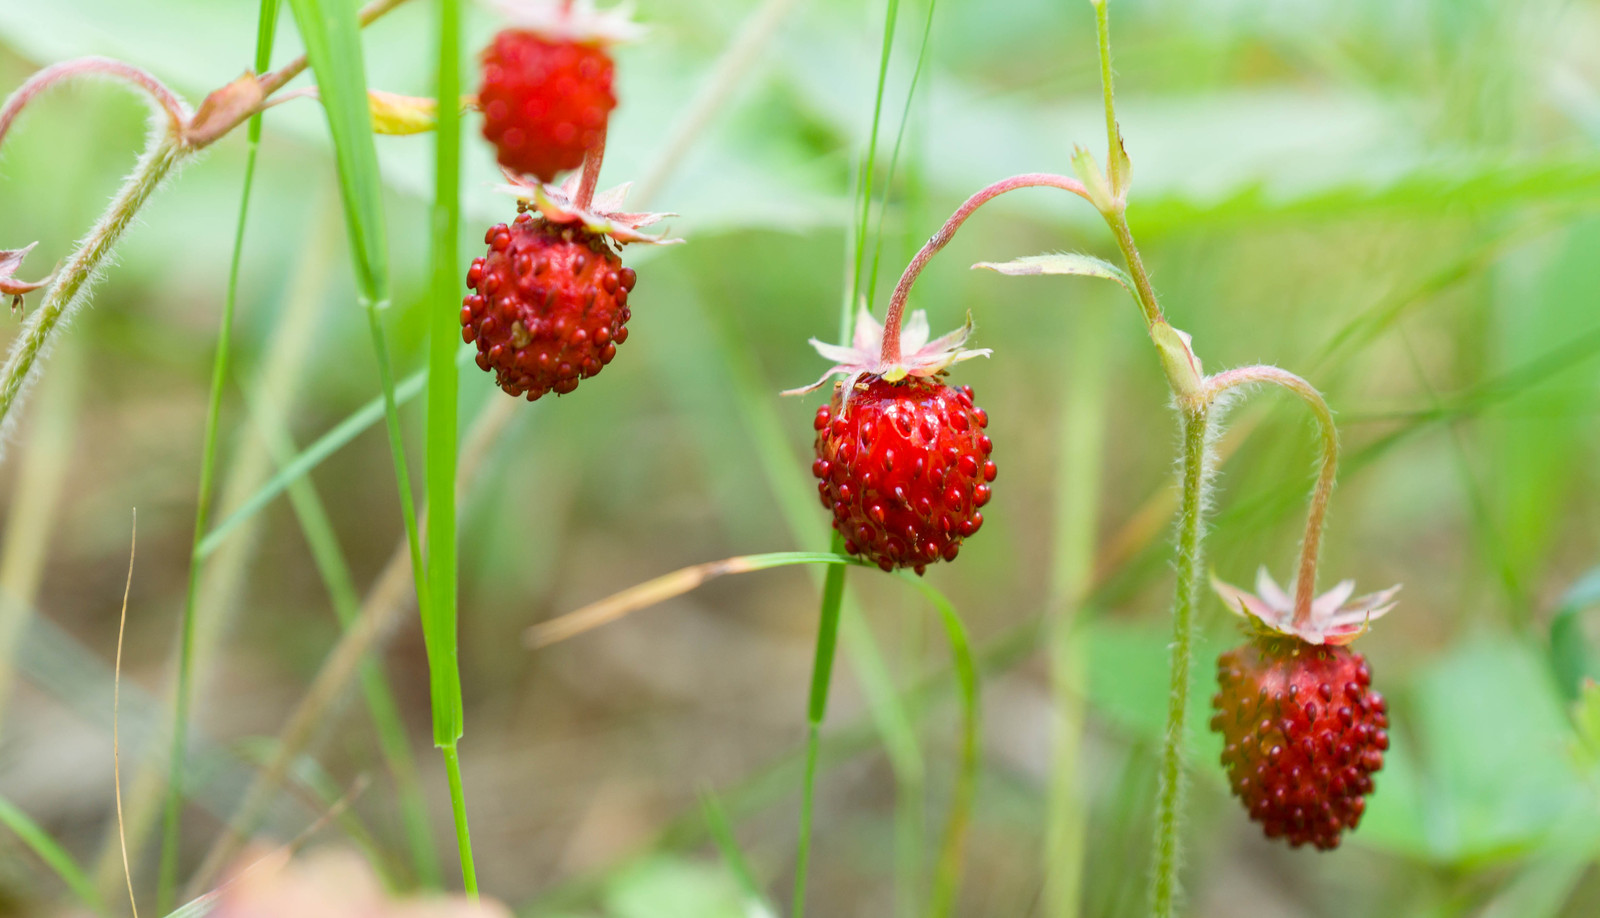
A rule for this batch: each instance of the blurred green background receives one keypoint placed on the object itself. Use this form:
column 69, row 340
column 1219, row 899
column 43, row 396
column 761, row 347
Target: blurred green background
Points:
column 1397, row 199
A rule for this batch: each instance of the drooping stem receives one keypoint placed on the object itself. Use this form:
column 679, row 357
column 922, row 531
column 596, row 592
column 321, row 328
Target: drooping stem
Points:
column 1316, row 514
column 75, row 277
column 591, row 173
column 1195, row 421
column 940, row 239
column 174, row 108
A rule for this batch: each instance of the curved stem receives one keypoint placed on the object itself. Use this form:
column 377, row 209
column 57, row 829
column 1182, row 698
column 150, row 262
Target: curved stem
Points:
column 940, row 239
column 1169, row 804
column 1316, row 514
column 591, row 173
column 176, row 110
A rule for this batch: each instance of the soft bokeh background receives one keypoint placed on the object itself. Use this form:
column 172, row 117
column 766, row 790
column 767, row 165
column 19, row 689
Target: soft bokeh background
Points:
column 1398, row 200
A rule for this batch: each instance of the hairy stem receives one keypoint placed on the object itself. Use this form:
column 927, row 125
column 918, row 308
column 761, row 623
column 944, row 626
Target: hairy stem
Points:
column 1195, row 422
column 1146, row 294
column 1316, row 514
column 73, row 282
column 940, row 239
column 163, row 98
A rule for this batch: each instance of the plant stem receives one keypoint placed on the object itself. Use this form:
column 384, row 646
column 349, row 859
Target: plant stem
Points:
column 1102, row 24
column 78, row 274
column 163, row 98
column 1148, row 304
column 816, row 711
column 947, row 232
column 458, row 804
column 592, row 158
column 1195, row 420
column 1316, row 514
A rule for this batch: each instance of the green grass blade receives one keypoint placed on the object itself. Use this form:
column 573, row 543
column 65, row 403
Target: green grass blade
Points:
column 816, row 710
column 444, row 333
column 439, row 613
column 337, row 438
column 869, row 163
column 53, row 855
column 266, row 27
column 722, row 833
column 899, row 140
column 332, row 35
column 947, row 880
column 382, row 707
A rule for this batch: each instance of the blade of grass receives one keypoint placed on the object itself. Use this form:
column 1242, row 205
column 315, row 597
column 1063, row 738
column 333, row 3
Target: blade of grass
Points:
column 54, row 856
column 947, row 878
column 382, row 707
column 439, row 612
column 36, row 497
column 722, row 833
column 869, row 164
column 337, row 437
column 899, row 139
column 266, row 28
column 1081, row 444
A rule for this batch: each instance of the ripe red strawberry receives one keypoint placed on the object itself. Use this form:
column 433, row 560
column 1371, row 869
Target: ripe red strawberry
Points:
column 551, row 300
column 551, row 305
column 904, row 467
column 902, row 457
column 1304, row 733
column 545, row 100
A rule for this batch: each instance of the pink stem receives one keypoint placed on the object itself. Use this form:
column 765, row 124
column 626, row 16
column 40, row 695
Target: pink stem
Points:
column 176, row 111
column 1306, row 577
column 591, row 174
column 897, row 302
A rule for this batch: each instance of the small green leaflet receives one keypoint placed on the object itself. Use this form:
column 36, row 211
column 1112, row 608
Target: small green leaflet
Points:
column 1060, row 263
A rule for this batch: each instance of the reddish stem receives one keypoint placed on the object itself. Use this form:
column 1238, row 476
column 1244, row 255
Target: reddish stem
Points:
column 1305, row 581
column 591, row 173
column 897, row 302
column 176, row 111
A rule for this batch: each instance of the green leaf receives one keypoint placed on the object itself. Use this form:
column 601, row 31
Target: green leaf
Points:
column 1060, row 263
column 1570, row 654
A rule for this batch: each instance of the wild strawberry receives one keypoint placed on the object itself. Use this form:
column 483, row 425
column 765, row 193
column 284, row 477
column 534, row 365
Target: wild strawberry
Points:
column 1303, row 729
column 546, row 84
column 545, row 103
column 550, row 304
column 902, row 458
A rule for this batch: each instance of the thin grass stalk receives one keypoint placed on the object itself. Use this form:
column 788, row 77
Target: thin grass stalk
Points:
column 36, row 497
column 266, row 28
column 1167, row 857
column 816, row 711
column 1081, row 444
column 54, row 856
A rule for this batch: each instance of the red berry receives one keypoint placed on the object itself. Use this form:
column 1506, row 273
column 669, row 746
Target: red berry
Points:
column 551, row 306
column 904, row 467
column 1303, row 734
column 545, row 102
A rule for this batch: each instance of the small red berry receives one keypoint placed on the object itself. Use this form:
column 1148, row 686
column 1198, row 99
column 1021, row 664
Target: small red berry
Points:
column 545, row 101
column 1303, row 734
column 550, row 307
column 904, row 467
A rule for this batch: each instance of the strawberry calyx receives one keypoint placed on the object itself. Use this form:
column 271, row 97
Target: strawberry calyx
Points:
column 919, row 356
column 602, row 217
column 573, row 20
column 1335, row 618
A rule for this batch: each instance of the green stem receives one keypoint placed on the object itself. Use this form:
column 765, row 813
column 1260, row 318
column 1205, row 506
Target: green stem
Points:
column 816, row 711
column 458, row 805
column 1169, row 802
